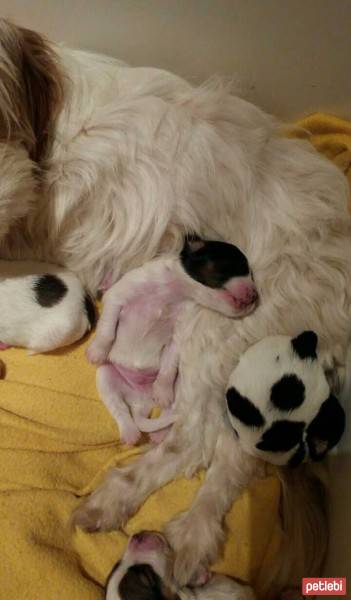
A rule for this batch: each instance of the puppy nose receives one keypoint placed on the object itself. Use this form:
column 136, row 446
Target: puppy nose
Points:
column 140, row 537
column 246, row 294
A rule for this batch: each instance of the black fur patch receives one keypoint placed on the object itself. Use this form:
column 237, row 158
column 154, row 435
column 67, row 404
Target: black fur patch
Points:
column 213, row 263
column 49, row 290
column 288, row 393
column 281, row 436
column 305, row 345
column 90, row 310
column 298, row 456
column 241, row 408
column 141, row 583
column 326, row 428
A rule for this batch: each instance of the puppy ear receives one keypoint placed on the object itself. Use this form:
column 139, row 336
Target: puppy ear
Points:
column 192, row 243
column 305, row 345
column 326, row 429
column 30, row 88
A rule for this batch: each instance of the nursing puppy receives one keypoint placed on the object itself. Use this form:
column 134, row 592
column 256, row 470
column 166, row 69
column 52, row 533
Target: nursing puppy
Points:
column 142, row 360
column 145, row 573
column 42, row 306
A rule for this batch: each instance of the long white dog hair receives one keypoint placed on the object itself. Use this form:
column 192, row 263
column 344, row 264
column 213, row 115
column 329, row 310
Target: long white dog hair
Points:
column 102, row 167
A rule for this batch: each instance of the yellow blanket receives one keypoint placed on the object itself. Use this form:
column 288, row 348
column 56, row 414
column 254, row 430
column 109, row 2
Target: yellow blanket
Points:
column 56, row 441
column 331, row 136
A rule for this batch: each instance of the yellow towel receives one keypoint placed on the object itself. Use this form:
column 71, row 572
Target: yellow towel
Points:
column 331, row 136
column 57, row 439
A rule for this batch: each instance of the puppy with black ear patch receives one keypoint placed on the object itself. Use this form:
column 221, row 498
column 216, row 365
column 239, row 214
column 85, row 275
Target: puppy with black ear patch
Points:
column 280, row 404
column 134, row 345
column 42, row 306
column 145, row 573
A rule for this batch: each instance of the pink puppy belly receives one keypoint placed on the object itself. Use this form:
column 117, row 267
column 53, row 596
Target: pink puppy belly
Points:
column 137, row 379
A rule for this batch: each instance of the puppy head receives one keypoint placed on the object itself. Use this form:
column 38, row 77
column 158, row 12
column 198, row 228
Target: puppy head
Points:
column 224, row 267
column 145, row 571
column 279, row 402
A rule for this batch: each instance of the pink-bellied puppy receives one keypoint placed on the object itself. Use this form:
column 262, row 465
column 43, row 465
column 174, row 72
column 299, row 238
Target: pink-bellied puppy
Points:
column 134, row 340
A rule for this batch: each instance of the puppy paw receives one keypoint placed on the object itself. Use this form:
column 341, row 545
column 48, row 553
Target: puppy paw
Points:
column 96, row 353
column 103, row 510
column 162, row 394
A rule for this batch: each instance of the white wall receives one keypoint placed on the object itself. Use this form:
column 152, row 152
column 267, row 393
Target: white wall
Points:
column 293, row 56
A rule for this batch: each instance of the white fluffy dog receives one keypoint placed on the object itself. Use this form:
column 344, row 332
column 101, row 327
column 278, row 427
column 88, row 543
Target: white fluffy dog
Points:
column 103, row 166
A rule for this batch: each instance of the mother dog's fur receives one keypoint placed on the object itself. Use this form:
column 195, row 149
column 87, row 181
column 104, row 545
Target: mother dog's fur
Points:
column 103, row 166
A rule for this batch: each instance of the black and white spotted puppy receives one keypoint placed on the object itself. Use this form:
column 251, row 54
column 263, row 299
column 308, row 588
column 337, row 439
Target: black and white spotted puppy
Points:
column 42, row 306
column 145, row 573
column 279, row 401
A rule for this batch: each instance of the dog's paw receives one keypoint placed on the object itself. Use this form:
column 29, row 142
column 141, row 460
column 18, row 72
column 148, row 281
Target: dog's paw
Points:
column 96, row 353
column 104, row 510
column 194, row 537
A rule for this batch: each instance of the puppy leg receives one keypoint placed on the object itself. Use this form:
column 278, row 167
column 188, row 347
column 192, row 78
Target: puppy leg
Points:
column 125, row 489
column 111, row 393
column 196, row 535
column 100, row 347
column 163, row 387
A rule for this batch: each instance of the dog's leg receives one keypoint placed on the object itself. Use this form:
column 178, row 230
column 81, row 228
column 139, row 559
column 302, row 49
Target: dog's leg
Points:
column 163, row 387
column 111, row 393
column 125, row 489
column 196, row 535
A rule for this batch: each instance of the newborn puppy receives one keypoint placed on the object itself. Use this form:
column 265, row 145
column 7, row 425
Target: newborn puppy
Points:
column 279, row 401
column 140, row 365
column 145, row 573
column 42, row 306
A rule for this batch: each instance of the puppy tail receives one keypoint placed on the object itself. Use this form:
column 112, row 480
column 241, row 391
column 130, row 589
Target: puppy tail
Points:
column 305, row 528
column 151, row 425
